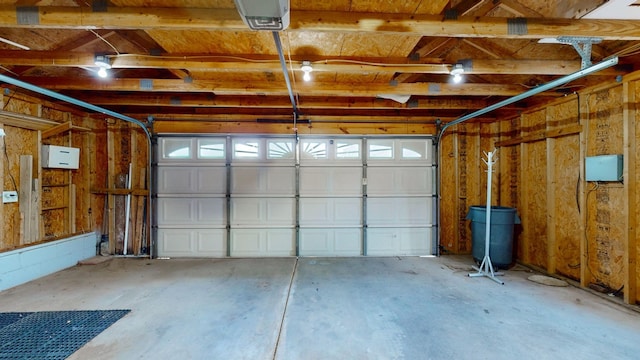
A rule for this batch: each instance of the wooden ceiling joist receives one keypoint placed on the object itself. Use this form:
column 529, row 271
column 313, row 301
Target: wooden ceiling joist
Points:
column 339, row 64
column 282, row 102
column 278, row 88
column 228, row 19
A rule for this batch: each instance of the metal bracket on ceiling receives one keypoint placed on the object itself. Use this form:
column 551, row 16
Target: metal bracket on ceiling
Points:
column 27, row 15
column 582, row 46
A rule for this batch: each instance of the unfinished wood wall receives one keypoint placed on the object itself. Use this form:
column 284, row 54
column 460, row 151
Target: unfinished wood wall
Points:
column 57, row 203
column 571, row 227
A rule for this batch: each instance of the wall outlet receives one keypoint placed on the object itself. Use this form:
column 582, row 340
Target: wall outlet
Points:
column 9, row 196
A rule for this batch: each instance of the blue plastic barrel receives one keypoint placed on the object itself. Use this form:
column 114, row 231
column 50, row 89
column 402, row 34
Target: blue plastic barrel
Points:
column 501, row 233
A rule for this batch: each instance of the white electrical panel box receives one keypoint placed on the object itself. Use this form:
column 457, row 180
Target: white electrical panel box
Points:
column 60, row 157
column 603, row 168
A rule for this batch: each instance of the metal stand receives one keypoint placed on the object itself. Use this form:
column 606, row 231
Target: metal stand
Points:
column 486, row 268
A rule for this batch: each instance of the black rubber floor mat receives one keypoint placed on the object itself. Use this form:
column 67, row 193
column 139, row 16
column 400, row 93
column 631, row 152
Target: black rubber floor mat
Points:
column 51, row 335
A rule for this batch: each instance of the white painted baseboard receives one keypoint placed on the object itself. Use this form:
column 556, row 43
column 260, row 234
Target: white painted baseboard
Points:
column 26, row 264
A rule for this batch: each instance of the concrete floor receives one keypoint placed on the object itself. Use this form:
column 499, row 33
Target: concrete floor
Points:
column 336, row 308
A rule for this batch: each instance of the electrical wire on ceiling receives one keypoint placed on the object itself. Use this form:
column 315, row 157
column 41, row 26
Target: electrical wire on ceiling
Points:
column 105, row 41
column 240, row 58
column 9, row 71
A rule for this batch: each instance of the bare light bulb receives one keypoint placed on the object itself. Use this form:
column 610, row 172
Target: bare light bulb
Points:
column 307, row 69
column 102, row 72
column 457, row 78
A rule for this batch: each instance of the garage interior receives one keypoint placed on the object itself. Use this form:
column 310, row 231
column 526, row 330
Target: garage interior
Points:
column 315, row 164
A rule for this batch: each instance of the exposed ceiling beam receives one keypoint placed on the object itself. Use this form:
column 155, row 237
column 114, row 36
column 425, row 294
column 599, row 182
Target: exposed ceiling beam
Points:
column 318, row 118
column 194, row 100
column 228, row 19
column 276, row 88
column 344, row 65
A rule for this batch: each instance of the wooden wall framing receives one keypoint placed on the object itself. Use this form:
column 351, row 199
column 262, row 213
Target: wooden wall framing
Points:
column 582, row 230
column 58, row 203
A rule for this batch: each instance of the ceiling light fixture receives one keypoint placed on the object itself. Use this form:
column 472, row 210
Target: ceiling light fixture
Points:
column 307, row 69
column 103, row 73
column 103, row 62
column 456, row 71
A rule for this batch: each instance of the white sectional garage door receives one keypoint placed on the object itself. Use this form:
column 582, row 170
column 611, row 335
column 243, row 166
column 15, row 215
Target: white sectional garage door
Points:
column 275, row 196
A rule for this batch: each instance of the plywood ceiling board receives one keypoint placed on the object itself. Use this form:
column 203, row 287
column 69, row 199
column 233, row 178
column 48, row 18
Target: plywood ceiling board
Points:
column 533, row 50
column 360, row 78
column 58, row 72
column 475, row 8
column 47, row 3
column 327, row 44
column 112, row 43
column 38, row 39
column 328, row 5
column 237, row 77
column 431, row 7
column 215, row 42
column 562, row 8
column 359, row 44
column 519, row 10
column 399, row 7
column 499, row 11
column 143, row 42
column 469, row 50
column 221, row 4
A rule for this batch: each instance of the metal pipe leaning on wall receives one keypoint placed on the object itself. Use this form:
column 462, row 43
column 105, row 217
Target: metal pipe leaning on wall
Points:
column 548, row 86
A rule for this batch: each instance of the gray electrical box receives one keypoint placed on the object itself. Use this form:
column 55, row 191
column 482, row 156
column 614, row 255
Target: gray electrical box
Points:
column 603, row 168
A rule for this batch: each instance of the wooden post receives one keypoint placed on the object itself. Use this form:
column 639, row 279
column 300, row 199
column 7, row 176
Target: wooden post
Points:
column 585, row 274
column 524, row 212
column 25, row 201
column 110, row 182
column 3, row 239
column 551, row 207
column 38, row 224
column 629, row 178
column 139, row 214
column 72, row 208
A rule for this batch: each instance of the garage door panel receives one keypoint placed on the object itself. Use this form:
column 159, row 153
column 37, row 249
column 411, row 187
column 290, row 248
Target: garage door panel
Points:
column 330, row 211
column 398, row 241
column 330, row 181
column 403, row 211
column 211, row 180
column 262, row 242
column 192, row 242
column 262, row 211
column 330, row 242
column 191, row 211
column 399, row 181
column 187, row 180
column 263, row 180
column 175, row 180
